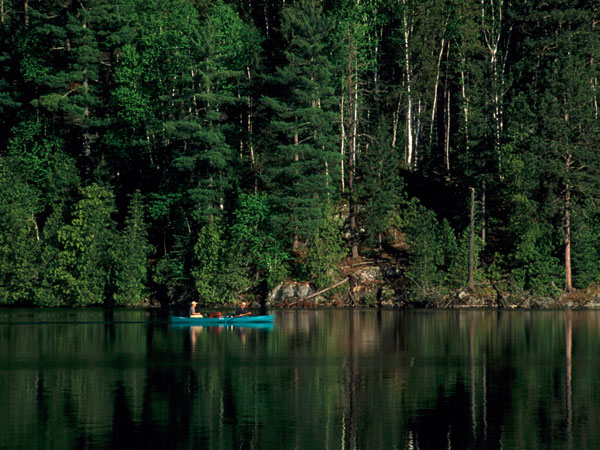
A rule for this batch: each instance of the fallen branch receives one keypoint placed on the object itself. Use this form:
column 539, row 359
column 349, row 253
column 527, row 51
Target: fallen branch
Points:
column 364, row 263
column 326, row 289
column 303, row 299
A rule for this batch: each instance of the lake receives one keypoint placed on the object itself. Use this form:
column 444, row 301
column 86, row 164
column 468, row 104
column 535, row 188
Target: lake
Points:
column 318, row 379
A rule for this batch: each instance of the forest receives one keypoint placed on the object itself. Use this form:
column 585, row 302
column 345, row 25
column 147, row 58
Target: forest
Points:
column 170, row 150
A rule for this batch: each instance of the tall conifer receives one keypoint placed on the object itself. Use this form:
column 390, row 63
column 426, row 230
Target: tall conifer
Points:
column 300, row 165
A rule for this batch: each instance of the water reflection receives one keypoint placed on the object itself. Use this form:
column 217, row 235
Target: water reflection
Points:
column 569, row 377
column 317, row 379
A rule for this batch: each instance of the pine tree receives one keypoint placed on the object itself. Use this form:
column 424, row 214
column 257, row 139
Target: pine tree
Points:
column 61, row 70
column 563, row 99
column 131, row 257
column 382, row 187
column 299, row 168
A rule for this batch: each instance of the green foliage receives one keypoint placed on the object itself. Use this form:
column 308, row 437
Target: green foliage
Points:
column 218, row 271
column 130, row 257
column 303, row 156
column 132, row 101
column 80, row 274
column 457, row 258
column 19, row 238
column 325, row 251
column 382, row 186
column 427, row 255
column 210, row 266
column 169, row 274
column 586, row 246
column 42, row 162
column 238, row 116
column 534, row 266
column 258, row 253
column 438, row 260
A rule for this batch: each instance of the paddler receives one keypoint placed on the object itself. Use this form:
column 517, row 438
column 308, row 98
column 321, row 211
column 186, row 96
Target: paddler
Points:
column 193, row 312
column 241, row 310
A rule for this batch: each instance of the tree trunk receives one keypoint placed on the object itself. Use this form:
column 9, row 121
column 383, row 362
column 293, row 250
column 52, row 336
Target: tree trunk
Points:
column 396, row 120
column 435, row 90
column 250, row 130
column 447, row 133
column 410, row 156
column 594, row 82
column 491, row 28
column 465, row 100
column 567, row 239
column 447, row 118
column 296, row 243
column 352, row 117
column 351, row 202
column 342, row 144
column 472, row 242
column 483, row 222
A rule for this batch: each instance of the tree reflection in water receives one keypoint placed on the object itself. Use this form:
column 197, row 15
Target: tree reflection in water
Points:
column 339, row 379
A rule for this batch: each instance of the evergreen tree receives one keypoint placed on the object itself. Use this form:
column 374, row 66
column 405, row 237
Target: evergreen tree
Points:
column 257, row 253
column 19, row 238
column 211, row 92
column 9, row 63
column 300, row 168
column 426, row 252
column 130, row 257
column 62, row 71
column 210, row 264
column 382, row 185
column 79, row 275
column 325, row 250
column 564, row 102
column 586, row 245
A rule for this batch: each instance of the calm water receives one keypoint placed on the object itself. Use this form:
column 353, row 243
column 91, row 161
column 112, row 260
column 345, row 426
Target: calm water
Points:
column 316, row 380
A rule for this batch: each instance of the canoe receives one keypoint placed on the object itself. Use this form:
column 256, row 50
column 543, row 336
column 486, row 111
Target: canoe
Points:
column 239, row 320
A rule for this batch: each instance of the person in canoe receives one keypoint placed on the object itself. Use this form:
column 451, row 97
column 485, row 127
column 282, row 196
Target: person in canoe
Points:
column 241, row 310
column 193, row 312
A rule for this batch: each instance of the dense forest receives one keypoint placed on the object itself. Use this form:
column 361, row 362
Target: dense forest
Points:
column 209, row 149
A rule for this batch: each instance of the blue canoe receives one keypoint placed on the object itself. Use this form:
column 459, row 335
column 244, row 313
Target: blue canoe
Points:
column 239, row 320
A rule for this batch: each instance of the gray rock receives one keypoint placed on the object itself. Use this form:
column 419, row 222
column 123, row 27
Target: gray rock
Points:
column 289, row 291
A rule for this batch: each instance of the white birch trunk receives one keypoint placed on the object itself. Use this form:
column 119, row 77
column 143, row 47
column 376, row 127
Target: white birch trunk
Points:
column 342, row 143
column 355, row 121
column 409, row 112
column 395, row 121
column 447, row 137
column 491, row 26
column 465, row 99
column 435, row 89
column 250, row 131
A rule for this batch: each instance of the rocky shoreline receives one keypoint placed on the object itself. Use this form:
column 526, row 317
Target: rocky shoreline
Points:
column 380, row 287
